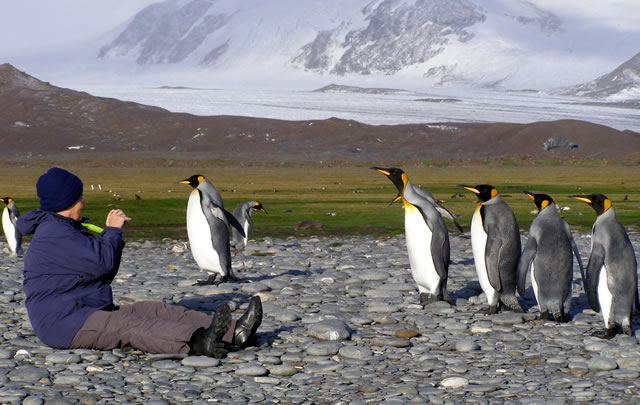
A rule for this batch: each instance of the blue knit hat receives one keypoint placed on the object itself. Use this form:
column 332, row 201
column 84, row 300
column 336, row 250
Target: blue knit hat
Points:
column 58, row 189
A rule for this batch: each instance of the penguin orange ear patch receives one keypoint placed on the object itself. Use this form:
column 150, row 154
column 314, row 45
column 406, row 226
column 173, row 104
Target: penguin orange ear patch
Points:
column 494, row 192
column 544, row 204
column 607, row 204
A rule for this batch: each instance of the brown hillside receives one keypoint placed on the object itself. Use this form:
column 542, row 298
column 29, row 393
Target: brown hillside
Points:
column 38, row 119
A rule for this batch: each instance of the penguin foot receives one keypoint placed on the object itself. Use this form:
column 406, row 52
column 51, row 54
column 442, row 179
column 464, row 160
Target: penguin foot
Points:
column 210, row 281
column 493, row 309
column 606, row 334
column 545, row 316
column 426, row 298
column 560, row 317
column 448, row 300
column 626, row 329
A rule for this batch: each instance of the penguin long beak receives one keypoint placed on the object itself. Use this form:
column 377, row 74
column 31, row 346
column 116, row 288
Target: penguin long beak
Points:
column 381, row 170
column 530, row 195
column 469, row 188
column 580, row 198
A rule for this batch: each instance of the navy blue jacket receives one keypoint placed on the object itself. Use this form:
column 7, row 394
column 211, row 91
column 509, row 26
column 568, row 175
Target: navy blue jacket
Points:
column 67, row 274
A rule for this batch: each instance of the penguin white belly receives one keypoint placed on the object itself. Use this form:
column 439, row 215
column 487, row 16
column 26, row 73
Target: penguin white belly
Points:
column 479, row 244
column 605, row 298
column 199, row 234
column 245, row 240
column 418, row 237
column 9, row 230
column 534, row 282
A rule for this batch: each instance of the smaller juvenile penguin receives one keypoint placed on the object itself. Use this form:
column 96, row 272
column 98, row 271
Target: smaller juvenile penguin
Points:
column 208, row 230
column 427, row 239
column 243, row 214
column 548, row 253
column 9, row 216
column 611, row 281
column 495, row 239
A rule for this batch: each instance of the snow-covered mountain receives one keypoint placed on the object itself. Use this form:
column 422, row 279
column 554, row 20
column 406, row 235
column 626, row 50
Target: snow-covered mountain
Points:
column 408, row 44
column 488, row 43
column 622, row 84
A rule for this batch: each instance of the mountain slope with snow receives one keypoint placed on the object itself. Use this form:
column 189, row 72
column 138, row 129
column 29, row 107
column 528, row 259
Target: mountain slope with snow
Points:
column 496, row 43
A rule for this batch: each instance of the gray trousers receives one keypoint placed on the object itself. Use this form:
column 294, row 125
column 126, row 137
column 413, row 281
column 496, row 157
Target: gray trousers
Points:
column 150, row 326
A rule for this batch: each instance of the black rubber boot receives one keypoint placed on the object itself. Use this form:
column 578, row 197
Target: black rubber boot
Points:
column 208, row 342
column 248, row 323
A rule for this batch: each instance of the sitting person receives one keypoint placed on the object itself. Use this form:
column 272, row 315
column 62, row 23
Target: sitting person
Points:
column 68, row 273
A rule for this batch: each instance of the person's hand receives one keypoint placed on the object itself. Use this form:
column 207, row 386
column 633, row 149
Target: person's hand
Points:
column 116, row 219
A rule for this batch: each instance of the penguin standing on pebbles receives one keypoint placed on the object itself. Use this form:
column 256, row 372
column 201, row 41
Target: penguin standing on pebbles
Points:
column 427, row 239
column 208, row 230
column 495, row 239
column 9, row 216
column 548, row 253
column 612, row 280
column 243, row 214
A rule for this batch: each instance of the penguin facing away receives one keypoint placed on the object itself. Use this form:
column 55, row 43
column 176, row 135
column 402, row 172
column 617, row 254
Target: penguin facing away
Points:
column 208, row 230
column 611, row 280
column 427, row 239
column 243, row 214
column 495, row 239
column 9, row 216
column 548, row 253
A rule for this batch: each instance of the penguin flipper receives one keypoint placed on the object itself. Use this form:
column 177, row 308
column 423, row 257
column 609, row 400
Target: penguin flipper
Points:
column 439, row 245
column 219, row 233
column 596, row 261
column 527, row 256
column 492, row 261
column 447, row 214
column 576, row 252
column 233, row 221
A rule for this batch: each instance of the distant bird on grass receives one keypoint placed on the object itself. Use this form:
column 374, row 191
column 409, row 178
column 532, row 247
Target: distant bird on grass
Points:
column 243, row 214
column 9, row 216
column 208, row 230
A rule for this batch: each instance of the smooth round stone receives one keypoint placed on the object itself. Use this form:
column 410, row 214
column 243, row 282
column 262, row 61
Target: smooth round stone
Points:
column 324, row 348
column 5, row 354
column 164, row 364
column 390, row 341
column 68, row 380
column 507, row 318
column 373, row 275
column 63, row 358
column 382, row 293
column 625, row 374
column 286, row 316
column 251, row 371
column 454, row 382
column 282, row 371
column 252, row 288
column 479, row 329
column 599, row 363
column 467, row 345
column 200, row 362
column 330, row 329
column 267, row 380
column 596, row 347
column 355, row 352
column 28, row 374
column 628, row 362
column 30, row 400
column 382, row 308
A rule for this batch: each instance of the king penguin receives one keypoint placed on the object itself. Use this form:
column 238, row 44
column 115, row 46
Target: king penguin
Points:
column 611, row 280
column 495, row 239
column 243, row 214
column 9, row 216
column 208, row 229
column 548, row 253
column 427, row 239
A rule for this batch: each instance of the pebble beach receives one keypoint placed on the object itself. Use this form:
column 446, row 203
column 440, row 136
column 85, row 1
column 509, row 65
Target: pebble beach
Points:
column 342, row 325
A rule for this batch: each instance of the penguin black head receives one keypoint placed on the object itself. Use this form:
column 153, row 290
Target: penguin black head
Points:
column 599, row 202
column 6, row 200
column 194, row 181
column 484, row 192
column 258, row 207
column 397, row 176
column 542, row 201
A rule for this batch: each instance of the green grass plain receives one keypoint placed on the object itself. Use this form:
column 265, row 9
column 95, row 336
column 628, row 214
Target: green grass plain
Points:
column 348, row 200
